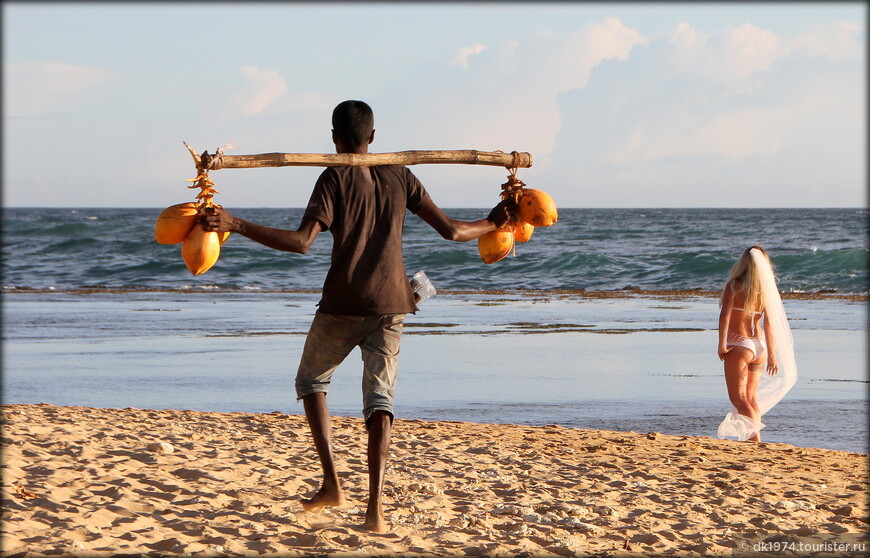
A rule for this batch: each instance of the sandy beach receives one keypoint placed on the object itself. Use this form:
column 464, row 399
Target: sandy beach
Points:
column 100, row 482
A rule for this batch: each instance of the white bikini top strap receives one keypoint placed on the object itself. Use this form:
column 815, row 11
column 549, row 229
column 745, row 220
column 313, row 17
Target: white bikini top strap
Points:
column 751, row 322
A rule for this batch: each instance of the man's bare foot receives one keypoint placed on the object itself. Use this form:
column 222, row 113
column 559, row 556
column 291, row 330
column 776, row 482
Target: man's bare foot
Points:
column 375, row 523
column 375, row 519
column 322, row 499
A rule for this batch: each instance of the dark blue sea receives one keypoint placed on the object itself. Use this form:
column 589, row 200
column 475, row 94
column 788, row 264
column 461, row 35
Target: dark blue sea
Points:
column 815, row 250
column 579, row 327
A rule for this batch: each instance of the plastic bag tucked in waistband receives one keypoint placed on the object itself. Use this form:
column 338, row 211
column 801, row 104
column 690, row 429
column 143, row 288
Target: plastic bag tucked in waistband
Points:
column 423, row 287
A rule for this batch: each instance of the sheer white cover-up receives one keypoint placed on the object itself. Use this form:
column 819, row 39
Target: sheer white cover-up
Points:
column 771, row 389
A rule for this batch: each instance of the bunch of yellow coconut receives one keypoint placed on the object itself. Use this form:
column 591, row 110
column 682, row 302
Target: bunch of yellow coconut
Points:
column 200, row 250
column 177, row 224
column 535, row 209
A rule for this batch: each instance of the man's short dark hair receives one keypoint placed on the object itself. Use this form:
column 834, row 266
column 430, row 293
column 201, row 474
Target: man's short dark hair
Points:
column 353, row 123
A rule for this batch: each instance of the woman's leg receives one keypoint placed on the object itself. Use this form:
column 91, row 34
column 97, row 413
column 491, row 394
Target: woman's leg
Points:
column 753, row 373
column 737, row 379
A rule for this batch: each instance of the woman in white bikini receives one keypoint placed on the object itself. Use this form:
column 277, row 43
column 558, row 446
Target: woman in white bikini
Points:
column 750, row 334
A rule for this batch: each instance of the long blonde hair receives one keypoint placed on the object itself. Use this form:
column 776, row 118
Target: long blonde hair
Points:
column 745, row 272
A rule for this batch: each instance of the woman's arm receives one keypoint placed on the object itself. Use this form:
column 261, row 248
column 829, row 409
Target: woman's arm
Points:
column 772, row 366
column 725, row 319
column 299, row 241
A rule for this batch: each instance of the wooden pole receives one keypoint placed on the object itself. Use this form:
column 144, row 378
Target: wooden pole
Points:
column 465, row 157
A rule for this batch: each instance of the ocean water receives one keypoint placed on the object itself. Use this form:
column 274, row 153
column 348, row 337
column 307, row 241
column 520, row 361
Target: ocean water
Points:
column 815, row 250
column 95, row 313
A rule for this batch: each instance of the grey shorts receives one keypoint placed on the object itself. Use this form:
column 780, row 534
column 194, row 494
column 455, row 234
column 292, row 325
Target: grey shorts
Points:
column 332, row 337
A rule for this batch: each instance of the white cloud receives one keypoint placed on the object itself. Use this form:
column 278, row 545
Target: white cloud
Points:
column 611, row 39
column 737, row 52
column 508, row 98
column 685, row 47
column 460, row 57
column 732, row 54
column 700, row 121
column 836, row 41
column 34, row 88
column 684, row 35
column 731, row 64
column 678, row 132
column 263, row 87
column 692, row 116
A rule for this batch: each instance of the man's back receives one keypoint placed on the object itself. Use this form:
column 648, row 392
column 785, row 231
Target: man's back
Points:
column 364, row 209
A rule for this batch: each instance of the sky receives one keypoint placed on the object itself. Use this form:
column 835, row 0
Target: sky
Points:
column 686, row 104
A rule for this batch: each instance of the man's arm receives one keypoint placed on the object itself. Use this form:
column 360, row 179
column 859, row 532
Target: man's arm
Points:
column 463, row 231
column 298, row 241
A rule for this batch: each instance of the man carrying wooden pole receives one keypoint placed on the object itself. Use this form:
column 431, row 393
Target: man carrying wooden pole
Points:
column 366, row 294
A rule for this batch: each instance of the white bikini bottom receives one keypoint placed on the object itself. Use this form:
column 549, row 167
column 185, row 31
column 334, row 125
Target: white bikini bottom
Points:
column 754, row 344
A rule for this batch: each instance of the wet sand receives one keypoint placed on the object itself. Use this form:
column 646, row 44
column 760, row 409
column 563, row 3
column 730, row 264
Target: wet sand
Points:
column 100, row 482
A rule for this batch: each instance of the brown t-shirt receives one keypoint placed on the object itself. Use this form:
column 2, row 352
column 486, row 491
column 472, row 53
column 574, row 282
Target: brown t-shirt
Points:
column 364, row 209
